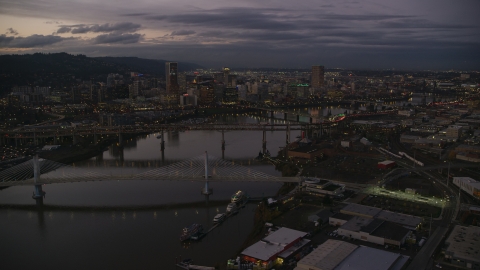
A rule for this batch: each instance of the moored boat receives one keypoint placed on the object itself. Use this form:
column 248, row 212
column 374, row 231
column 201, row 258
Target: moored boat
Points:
column 232, row 208
column 238, row 196
column 219, row 218
column 193, row 229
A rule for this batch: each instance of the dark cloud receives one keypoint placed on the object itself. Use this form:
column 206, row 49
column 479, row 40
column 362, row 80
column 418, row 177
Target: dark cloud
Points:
column 258, row 36
column 370, row 17
column 422, row 23
column 30, row 41
column 99, row 28
column 134, row 14
column 230, row 18
column 64, row 29
column 118, row 38
column 182, row 33
column 11, row 31
column 4, row 40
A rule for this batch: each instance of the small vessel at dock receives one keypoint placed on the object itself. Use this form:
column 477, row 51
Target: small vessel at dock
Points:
column 239, row 196
column 188, row 232
column 232, row 208
column 219, row 218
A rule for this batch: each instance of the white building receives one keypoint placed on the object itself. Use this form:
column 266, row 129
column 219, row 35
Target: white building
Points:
column 340, row 255
column 468, row 185
column 454, row 132
column 463, row 247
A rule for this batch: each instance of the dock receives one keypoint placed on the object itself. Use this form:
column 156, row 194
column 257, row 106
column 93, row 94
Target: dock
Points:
column 192, row 266
column 199, row 236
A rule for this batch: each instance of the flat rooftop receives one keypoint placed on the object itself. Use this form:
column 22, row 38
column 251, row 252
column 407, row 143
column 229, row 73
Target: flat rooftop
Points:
column 273, row 244
column 342, row 216
column 390, row 230
column 402, row 219
column 464, row 243
column 372, row 259
column 358, row 209
column 331, row 187
column 341, row 255
column 356, row 223
column 327, row 256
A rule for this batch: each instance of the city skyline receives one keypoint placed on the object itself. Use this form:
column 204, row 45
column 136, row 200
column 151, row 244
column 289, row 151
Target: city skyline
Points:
column 430, row 34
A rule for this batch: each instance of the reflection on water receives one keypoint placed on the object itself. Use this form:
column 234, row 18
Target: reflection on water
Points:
column 95, row 239
column 134, row 224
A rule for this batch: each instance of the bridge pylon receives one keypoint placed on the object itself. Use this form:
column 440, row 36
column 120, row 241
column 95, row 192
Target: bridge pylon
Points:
column 206, row 190
column 38, row 194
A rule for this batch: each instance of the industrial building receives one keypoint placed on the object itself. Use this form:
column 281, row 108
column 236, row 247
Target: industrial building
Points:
column 340, row 255
column 353, row 209
column 469, row 185
column 280, row 245
column 322, row 186
column 462, row 247
column 374, row 230
column 386, row 164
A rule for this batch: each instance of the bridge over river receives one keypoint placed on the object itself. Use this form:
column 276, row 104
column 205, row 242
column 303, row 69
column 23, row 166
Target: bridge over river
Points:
column 43, row 171
column 51, row 134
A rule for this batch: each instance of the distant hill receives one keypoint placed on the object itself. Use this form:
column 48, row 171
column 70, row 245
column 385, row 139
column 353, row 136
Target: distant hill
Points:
column 62, row 70
column 149, row 66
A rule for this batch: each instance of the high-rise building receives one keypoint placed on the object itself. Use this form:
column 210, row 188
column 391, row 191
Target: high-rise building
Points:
column 172, row 87
column 226, row 72
column 171, row 77
column 317, row 76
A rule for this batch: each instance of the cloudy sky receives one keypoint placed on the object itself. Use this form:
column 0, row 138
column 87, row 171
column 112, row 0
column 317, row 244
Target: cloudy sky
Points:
column 400, row 34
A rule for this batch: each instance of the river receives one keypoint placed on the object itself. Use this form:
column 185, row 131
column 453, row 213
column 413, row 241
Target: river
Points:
column 135, row 224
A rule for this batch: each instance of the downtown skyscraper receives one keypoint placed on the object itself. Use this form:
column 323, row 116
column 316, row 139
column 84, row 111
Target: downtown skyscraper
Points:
column 171, row 77
column 317, row 76
column 172, row 87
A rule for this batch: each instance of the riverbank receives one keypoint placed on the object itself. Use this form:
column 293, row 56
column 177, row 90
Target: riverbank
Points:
column 80, row 208
column 68, row 154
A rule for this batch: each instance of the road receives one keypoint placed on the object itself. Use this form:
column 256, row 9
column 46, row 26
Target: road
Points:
column 449, row 213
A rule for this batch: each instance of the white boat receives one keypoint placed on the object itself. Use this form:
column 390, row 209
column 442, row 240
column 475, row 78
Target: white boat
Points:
column 219, row 218
column 188, row 232
column 232, row 208
column 238, row 197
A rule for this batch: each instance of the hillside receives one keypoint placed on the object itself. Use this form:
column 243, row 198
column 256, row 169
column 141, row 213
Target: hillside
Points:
column 62, row 70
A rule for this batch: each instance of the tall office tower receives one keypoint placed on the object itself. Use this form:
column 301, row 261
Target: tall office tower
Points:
column 182, row 82
column 226, row 72
column 317, row 76
column 171, row 77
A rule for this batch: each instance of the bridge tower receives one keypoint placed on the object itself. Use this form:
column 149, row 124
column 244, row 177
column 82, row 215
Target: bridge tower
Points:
column 223, row 144
column 95, row 136
column 264, row 140
column 38, row 194
column 162, row 142
column 288, row 135
column 120, row 136
column 206, row 190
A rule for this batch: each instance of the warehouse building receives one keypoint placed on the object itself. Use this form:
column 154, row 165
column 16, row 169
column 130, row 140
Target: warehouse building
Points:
column 323, row 187
column 280, row 245
column 386, row 164
column 407, row 221
column 376, row 231
column 340, row 255
column 469, row 185
column 463, row 247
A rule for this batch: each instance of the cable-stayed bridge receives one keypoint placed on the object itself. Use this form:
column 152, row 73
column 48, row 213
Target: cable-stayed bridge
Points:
column 192, row 169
